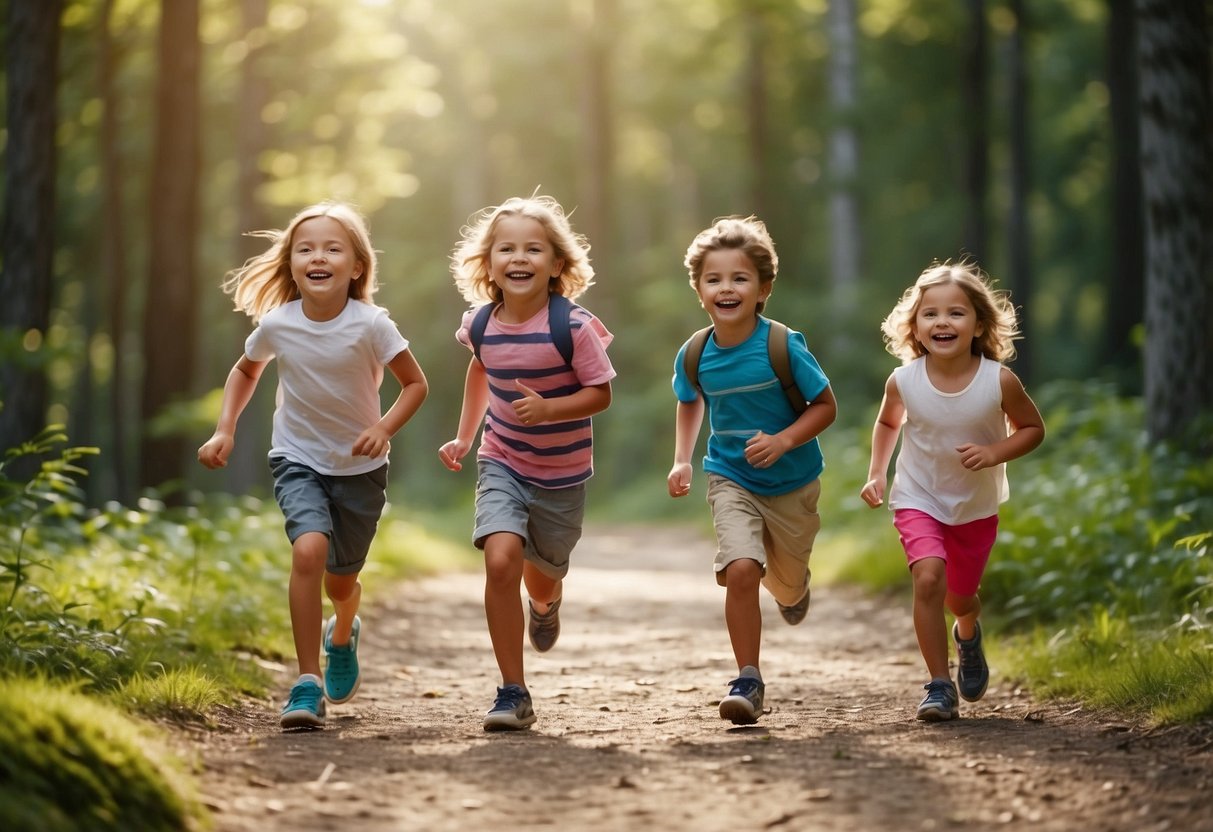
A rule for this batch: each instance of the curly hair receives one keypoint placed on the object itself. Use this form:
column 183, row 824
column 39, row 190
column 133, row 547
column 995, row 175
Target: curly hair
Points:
column 264, row 282
column 995, row 313
column 470, row 259
column 746, row 234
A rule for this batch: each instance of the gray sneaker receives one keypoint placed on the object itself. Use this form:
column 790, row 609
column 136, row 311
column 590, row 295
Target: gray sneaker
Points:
column 972, row 672
column 940, row 703
column 543, row 630
column 795, row 613
column 743, row 705
column 511, row 711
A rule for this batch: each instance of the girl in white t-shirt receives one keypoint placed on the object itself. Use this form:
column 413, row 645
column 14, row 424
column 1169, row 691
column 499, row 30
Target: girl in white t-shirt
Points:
column 310, row 294
column 961, row 416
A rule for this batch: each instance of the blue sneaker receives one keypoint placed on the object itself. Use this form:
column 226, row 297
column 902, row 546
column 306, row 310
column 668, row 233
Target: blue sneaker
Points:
column 304, row 707
column 743, row 705
column 512, row 711
column 972, row 672
column 341, row 676
column 940, row 703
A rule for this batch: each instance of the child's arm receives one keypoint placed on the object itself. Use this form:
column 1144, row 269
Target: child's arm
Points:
column 534, row 409
column 686, row 432
column 237, row 390
column 884, row 440
column 475, row 403
column 1027, row 428
column 764, row 449
column 374, row 441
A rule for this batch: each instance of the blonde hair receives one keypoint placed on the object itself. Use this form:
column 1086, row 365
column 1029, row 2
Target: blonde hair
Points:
column 995, row 313
column 470, row 259
column 264, row 282
column 748, row 235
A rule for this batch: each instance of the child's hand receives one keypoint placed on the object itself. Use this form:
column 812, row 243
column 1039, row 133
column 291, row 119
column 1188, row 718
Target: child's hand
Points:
column 217, row 449
column 976, row 457
column 373, row 442
column 763, row 450
column 532, row 408
column 452, row 452
column 873, row 492
column 679, row 480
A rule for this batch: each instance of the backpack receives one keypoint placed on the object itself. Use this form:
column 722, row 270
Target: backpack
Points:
column 560, row 310
column 777, row 352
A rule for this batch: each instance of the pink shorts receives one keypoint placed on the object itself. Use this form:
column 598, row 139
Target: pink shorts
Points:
column 965, row 549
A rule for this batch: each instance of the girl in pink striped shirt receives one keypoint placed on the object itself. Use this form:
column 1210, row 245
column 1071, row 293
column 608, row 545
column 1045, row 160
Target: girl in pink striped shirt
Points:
column 535, row 397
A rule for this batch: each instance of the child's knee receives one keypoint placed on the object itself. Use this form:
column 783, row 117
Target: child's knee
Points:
column 930, row 579
column 743, row 574
column 309, row 553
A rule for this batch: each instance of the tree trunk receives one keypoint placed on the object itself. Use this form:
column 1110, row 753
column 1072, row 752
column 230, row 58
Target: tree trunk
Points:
column 1126, row 289
column 27, row 232
column 1019, row 243
column 168, row 321
column 598, row 146
column 845, row 242
column 756, row 111
column 974, row 121
column 1177, row 168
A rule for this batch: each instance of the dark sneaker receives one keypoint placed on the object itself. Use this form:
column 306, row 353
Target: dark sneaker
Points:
column 743, row 705
column 543, row 630
column 940, row 704
column 512, row 711
column 972, row 672
column 304, row 707
column 341, row 676
column 795, row 613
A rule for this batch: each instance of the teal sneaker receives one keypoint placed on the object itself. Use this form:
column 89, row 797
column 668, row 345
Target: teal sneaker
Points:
column 511, row 711
column 940, row 703
column 341, row 676
column 972, row 672
column 304, row 707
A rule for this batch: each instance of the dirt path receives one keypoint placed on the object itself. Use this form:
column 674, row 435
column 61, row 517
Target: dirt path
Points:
column 628, row 736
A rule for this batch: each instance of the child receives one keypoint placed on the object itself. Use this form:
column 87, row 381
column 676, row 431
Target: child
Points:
column 955, row 400
column 763, row 461
column 310, row 296
column 535, row 455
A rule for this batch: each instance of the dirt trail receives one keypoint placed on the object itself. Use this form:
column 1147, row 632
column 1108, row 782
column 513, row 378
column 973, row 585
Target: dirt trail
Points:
column 628, row 735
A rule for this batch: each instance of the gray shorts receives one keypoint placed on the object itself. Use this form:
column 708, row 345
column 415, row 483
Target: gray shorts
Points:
column 547, row 519
column 344, row 509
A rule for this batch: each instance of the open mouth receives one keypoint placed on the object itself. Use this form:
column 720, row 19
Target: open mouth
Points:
column 728, row 304
column 943, row 338
column 519, row 275
column 318, row 275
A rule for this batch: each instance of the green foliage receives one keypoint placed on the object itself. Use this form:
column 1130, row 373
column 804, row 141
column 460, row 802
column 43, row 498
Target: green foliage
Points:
column 69, row 762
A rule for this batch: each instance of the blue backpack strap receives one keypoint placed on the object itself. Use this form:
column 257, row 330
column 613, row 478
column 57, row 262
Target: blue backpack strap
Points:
column 560, row 310
column 479, row 322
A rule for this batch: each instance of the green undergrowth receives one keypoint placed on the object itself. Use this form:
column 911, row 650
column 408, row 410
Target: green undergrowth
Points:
column 70, row 762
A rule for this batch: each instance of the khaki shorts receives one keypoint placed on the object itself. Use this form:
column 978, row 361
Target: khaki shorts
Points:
column 776, row 531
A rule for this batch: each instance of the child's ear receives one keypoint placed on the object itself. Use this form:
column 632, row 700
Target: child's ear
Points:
column 558, row 267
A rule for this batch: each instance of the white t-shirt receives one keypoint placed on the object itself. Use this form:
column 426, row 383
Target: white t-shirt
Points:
column 329, row 374
column 929, row 475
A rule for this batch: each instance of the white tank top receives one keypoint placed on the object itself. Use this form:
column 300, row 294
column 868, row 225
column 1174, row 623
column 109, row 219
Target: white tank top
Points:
column 929, row 476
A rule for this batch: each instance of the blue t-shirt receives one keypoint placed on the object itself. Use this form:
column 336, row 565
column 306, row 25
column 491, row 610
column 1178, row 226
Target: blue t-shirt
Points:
column 743, row 397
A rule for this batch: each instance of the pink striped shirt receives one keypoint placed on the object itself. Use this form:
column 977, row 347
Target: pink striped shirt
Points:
column 553, row 454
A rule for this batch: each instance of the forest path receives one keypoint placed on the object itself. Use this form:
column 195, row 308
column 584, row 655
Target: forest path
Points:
column 628, row 735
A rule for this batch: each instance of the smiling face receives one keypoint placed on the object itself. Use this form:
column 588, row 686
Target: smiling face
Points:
column 323, row 265
column 522, row 260
column 946, row 322
column 730, row 290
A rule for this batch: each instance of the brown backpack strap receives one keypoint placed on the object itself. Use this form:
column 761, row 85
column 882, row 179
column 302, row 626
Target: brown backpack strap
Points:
column 781, row 362
column 694, row 351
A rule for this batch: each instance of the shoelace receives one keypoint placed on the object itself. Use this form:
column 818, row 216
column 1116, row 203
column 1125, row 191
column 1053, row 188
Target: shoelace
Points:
column 940, row 690
column 508, row 699
column 304, row 696
column 743, row 686
column 969, row 658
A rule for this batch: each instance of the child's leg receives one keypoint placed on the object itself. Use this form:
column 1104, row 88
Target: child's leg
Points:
column 930, row 589
column 541, row 589
column 503, row 565
column 308, row 556
column 345, row 591
column 966, row 608
column 742, row 614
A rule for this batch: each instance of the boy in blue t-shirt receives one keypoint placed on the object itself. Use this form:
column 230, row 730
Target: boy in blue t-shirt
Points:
column 763, row 461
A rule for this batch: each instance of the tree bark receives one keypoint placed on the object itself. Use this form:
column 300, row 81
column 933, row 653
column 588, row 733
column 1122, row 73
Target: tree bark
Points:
column 756, row 111
column 27, row 232
column 1019, row 242
column 168, row 321
column 974, row 120
column 1177, row 168
column 845, row 238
